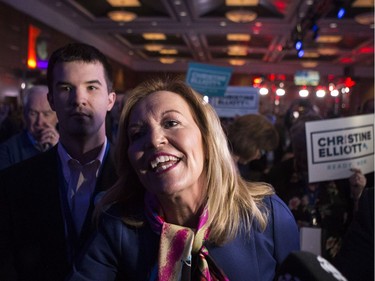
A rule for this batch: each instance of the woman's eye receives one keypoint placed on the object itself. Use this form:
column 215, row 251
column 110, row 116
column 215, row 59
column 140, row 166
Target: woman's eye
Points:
column 135, row 135
column 171, row 123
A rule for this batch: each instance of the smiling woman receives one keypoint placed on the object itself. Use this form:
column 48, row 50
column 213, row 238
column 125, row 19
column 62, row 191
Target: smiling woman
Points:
column 179, row 208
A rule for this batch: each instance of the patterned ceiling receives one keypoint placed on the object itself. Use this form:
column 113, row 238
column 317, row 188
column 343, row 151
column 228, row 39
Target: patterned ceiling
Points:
column 197, row 31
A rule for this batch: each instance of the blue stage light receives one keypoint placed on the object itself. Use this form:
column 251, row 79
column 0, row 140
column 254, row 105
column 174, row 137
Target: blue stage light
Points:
column 298, row 45
column 341, row 13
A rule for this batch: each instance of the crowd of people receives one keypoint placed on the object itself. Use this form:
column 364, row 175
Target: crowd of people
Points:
column 152, row 185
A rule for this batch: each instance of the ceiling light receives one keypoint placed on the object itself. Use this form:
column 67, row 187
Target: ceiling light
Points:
column 310, row 54
column 241, row 2
column 167, row 60
column 154, row 36
column 241, row 16
column 153, row 47
column 363, row 3
column 327, row 51
column 122, row 16
column 168, row 52
column 365, row 18
column 237, row 62
column 237, row 50
column 238, row 37
column 309, row 64
column 329, row 39
column 124, row 3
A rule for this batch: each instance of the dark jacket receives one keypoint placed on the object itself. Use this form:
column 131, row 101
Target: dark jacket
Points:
column 33, row 242
column 16, row 149
column 120, row 252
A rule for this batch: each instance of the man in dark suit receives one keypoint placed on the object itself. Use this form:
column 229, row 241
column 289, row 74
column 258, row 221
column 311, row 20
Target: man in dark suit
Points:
column 39, row 134
column 46, row 202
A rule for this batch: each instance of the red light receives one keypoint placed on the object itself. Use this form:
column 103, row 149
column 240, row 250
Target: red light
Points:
column 346, row 60
column 366, row 50
column 349, row 82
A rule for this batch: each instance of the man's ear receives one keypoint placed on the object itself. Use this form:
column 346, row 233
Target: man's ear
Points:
column 111, row 100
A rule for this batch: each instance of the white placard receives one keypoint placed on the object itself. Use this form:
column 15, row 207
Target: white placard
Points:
column 334, row 146
column 237, row 101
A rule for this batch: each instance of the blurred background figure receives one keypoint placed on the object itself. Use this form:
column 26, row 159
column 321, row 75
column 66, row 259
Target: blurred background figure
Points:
column 328, row 205
column 113, row 117
column 356, row 256
column 40, row 131
column 251, row 137
column 11, row 121
column 368, row 106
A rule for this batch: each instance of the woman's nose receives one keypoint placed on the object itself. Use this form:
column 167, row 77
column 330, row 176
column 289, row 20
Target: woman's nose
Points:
column 157, row 137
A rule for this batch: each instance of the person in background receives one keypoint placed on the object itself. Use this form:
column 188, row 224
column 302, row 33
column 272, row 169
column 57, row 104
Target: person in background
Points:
column 356, row 256
column 113, row 117
column 11, row 121
column 46, row 202
column 180, row 210
column 250, row 137
column 40, row 131
column 328, row 205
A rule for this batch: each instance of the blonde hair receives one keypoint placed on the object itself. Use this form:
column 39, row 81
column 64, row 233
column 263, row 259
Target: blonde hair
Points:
column 230, row 199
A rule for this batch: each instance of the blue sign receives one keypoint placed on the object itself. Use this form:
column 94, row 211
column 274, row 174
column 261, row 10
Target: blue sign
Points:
column 208, row 80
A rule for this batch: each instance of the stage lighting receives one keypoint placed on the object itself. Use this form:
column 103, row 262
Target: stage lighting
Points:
column 298, row 45
column 341, row 13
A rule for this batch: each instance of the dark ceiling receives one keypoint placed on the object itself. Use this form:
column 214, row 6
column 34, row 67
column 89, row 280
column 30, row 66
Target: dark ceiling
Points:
column 197, row 32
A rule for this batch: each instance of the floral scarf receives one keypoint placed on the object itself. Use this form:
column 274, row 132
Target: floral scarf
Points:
column 178, row 244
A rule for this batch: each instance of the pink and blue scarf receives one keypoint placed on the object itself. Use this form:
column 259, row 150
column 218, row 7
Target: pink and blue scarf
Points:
column 178, row 244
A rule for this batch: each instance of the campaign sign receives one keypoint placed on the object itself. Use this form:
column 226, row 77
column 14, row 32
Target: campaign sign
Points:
column 334, row 146
column 208, row 80
column 236, row 101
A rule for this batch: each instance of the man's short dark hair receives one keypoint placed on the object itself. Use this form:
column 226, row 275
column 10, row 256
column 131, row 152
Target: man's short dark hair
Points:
column 79, row 52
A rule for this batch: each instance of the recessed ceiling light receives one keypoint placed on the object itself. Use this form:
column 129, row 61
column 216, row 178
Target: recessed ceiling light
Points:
column 237, row 50
column 124, row 3
column 167, row 60
column 329, row 39
column 241, row 16
column 310, row 54
column 238, row 37
column 237, row 62
column 168, row 51
column 154, row 36
column 122, row 16
column 241, row 2
column 153, row 47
